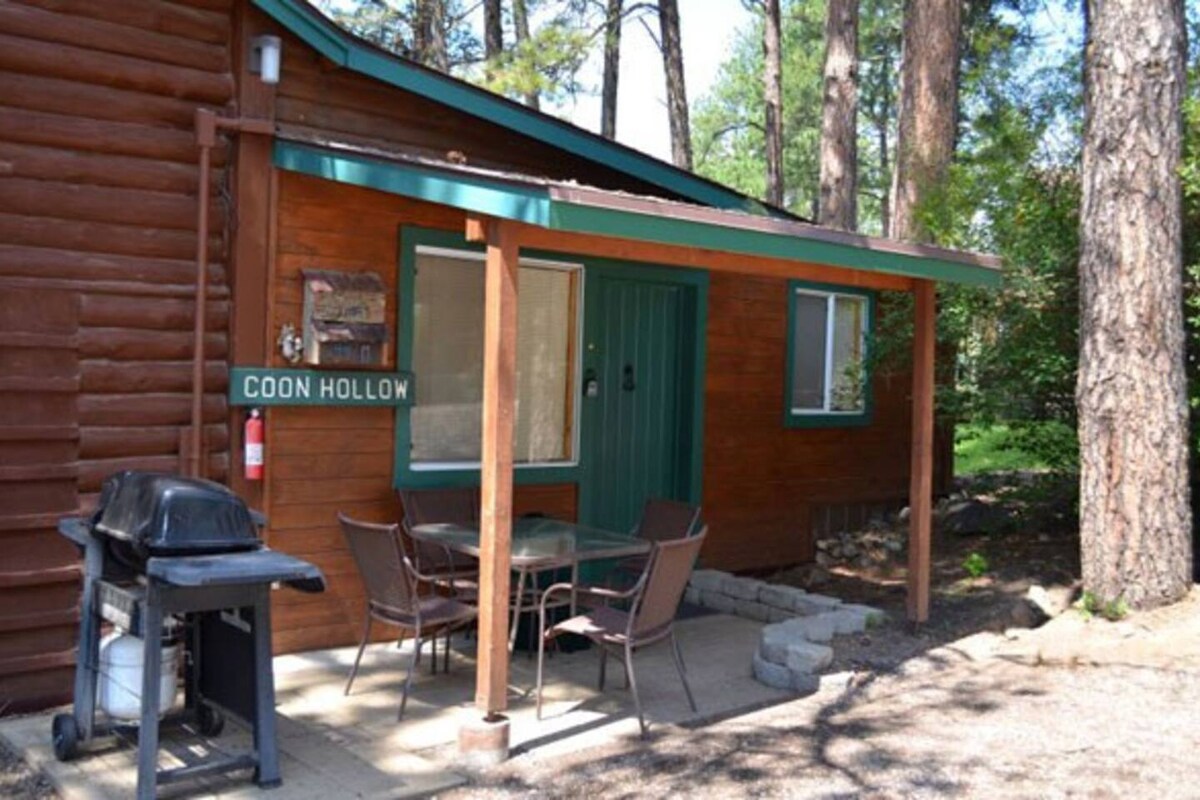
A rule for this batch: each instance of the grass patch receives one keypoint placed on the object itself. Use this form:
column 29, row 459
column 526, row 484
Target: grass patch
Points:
column 994, row 448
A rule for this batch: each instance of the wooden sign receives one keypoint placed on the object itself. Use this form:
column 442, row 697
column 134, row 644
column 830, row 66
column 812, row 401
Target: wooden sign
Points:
column 258, row 386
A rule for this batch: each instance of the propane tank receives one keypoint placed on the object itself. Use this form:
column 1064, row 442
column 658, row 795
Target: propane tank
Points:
column 254, row 445
column 121, row 670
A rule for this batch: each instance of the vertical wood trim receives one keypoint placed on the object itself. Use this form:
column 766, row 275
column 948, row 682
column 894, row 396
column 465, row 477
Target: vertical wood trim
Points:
column 921, row 485
column 254, row 214
column 499, row 386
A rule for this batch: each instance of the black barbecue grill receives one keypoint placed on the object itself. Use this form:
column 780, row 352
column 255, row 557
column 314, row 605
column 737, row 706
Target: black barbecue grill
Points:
column 167, row 553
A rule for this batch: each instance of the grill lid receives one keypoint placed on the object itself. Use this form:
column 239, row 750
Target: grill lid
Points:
column 162, row 514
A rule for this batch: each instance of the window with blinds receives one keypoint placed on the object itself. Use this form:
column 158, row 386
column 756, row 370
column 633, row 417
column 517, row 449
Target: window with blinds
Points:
column 446, row 416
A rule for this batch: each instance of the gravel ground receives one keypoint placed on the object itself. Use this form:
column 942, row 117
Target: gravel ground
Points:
column 1115, row 717
column 19, row 782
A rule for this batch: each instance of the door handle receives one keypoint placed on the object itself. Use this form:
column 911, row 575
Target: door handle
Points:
column 628, row 383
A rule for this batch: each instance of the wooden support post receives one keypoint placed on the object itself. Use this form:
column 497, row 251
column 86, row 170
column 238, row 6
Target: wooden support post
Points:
column 920, row 498
column 499, row 388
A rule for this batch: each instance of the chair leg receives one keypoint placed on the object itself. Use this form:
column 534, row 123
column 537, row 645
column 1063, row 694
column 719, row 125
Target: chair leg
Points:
column 411, row 669
column 603, row 664
column 637, row 700
column 446, row 653
column 433, row 654
column 541, row 656
column 366, row 637
column 682, row 668
column 520, row 603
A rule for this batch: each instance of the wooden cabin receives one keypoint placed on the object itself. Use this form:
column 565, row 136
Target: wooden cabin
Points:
column 673, row 337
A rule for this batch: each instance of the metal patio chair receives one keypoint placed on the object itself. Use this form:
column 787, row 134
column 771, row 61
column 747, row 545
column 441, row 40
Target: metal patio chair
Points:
column 393, row 596
column 654, row 601
column 661, row 520
column 458, row 506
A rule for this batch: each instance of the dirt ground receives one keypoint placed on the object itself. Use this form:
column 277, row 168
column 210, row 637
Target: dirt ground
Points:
column 18, row 781
column 1073, row 709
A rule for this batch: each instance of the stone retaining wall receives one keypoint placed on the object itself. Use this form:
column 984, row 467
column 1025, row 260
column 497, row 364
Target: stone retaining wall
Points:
column 794, row 646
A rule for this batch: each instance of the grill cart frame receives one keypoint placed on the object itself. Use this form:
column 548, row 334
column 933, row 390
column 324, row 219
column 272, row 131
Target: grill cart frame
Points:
column 225, row 601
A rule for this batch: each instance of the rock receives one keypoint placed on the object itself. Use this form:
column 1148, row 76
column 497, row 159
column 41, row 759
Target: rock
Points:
column 779, row 596
column 776, row 639
column 813, row 629
column 708, row 579
column 815, row 604
column 805, row 683
column 904, row 514
column 752, row 609
column 718, row 601
column 825, row 560
column 741, row 588
column 808, row 657
column 1051, row 601
column 872, row 617
column 970, row 517
column 1025, row 614
column 845, row 622
column 779, row 614
column 774, row 675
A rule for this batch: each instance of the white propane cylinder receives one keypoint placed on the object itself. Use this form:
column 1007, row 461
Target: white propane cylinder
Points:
column 121, row 676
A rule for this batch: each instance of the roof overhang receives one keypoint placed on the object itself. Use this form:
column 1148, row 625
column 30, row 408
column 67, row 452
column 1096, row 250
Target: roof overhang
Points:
column 357, row 55
column 573, row 209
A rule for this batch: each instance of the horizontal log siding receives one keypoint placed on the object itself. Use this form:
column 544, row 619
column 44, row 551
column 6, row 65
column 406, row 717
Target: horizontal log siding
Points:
column 97, row 267
column 762, row 481
column 322, row 460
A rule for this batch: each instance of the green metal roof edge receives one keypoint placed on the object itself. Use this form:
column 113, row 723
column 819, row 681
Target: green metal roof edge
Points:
column 518, row 203
column 344, row 49
column 534, row 206
column 566, row 216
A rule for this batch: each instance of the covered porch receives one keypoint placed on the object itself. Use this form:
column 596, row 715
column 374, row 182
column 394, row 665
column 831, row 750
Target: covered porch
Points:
column 509, row 214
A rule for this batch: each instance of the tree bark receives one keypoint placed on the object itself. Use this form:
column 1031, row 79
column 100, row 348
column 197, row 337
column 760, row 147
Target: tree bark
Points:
column 773, row 100
column 612, row 69
column 677, row 107
column 493, row 29
column 928, row 107
column 1135, row 517
column 839, row 124
column 429, row 34
column 521, row 27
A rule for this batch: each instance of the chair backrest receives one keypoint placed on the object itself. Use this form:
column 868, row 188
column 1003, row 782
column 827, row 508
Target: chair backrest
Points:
column 384, row 567
column 667, row 576
column 663, row 520
column 426, row 506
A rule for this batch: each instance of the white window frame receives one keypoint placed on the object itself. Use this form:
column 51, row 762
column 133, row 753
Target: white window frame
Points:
column 576, row 377
column 831, row 297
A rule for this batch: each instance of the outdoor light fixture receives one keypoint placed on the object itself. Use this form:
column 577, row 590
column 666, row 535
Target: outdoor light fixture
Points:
column 265, row 52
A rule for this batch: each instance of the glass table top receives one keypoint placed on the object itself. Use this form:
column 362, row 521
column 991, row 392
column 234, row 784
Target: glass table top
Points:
column 538, row 540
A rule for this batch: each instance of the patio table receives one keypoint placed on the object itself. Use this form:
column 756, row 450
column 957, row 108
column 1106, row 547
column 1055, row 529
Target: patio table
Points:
column 539, row 544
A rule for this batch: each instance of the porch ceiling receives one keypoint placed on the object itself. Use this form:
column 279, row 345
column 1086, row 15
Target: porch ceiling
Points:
column 575, row 210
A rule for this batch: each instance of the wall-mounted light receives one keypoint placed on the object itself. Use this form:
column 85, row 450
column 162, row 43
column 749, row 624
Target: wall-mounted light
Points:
column 265, row 52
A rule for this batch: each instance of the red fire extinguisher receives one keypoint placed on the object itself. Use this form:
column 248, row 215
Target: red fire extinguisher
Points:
column 254, row 445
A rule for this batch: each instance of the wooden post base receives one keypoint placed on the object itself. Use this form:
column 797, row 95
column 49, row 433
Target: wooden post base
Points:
column 483, row 743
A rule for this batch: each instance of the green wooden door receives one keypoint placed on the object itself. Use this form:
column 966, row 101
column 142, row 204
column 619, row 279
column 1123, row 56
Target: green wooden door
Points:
column 637, row 390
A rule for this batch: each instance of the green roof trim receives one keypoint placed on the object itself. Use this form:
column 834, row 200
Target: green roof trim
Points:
column 534, row 204
column 350, row 52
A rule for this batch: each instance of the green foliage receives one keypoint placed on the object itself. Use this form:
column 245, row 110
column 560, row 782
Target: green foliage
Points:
column 547, row 64
column 976, row 565
column 1006, row 447
column 1089, row 605
column 391, row 24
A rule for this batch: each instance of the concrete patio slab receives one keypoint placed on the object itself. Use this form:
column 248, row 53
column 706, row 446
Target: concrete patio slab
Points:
column 336, row 746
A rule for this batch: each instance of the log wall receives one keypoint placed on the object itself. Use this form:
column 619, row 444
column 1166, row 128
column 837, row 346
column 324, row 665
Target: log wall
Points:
column 97, row 254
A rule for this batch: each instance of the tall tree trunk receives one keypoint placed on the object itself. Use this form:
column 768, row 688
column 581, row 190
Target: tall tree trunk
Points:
column 521, row 27
column 839, row 124
column 773, row 100
column 1135, row 519
column 928, row 105
column 429, row 34
column 885, row 164
column 493, row 29
column 612, row 69
column 677, row 107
